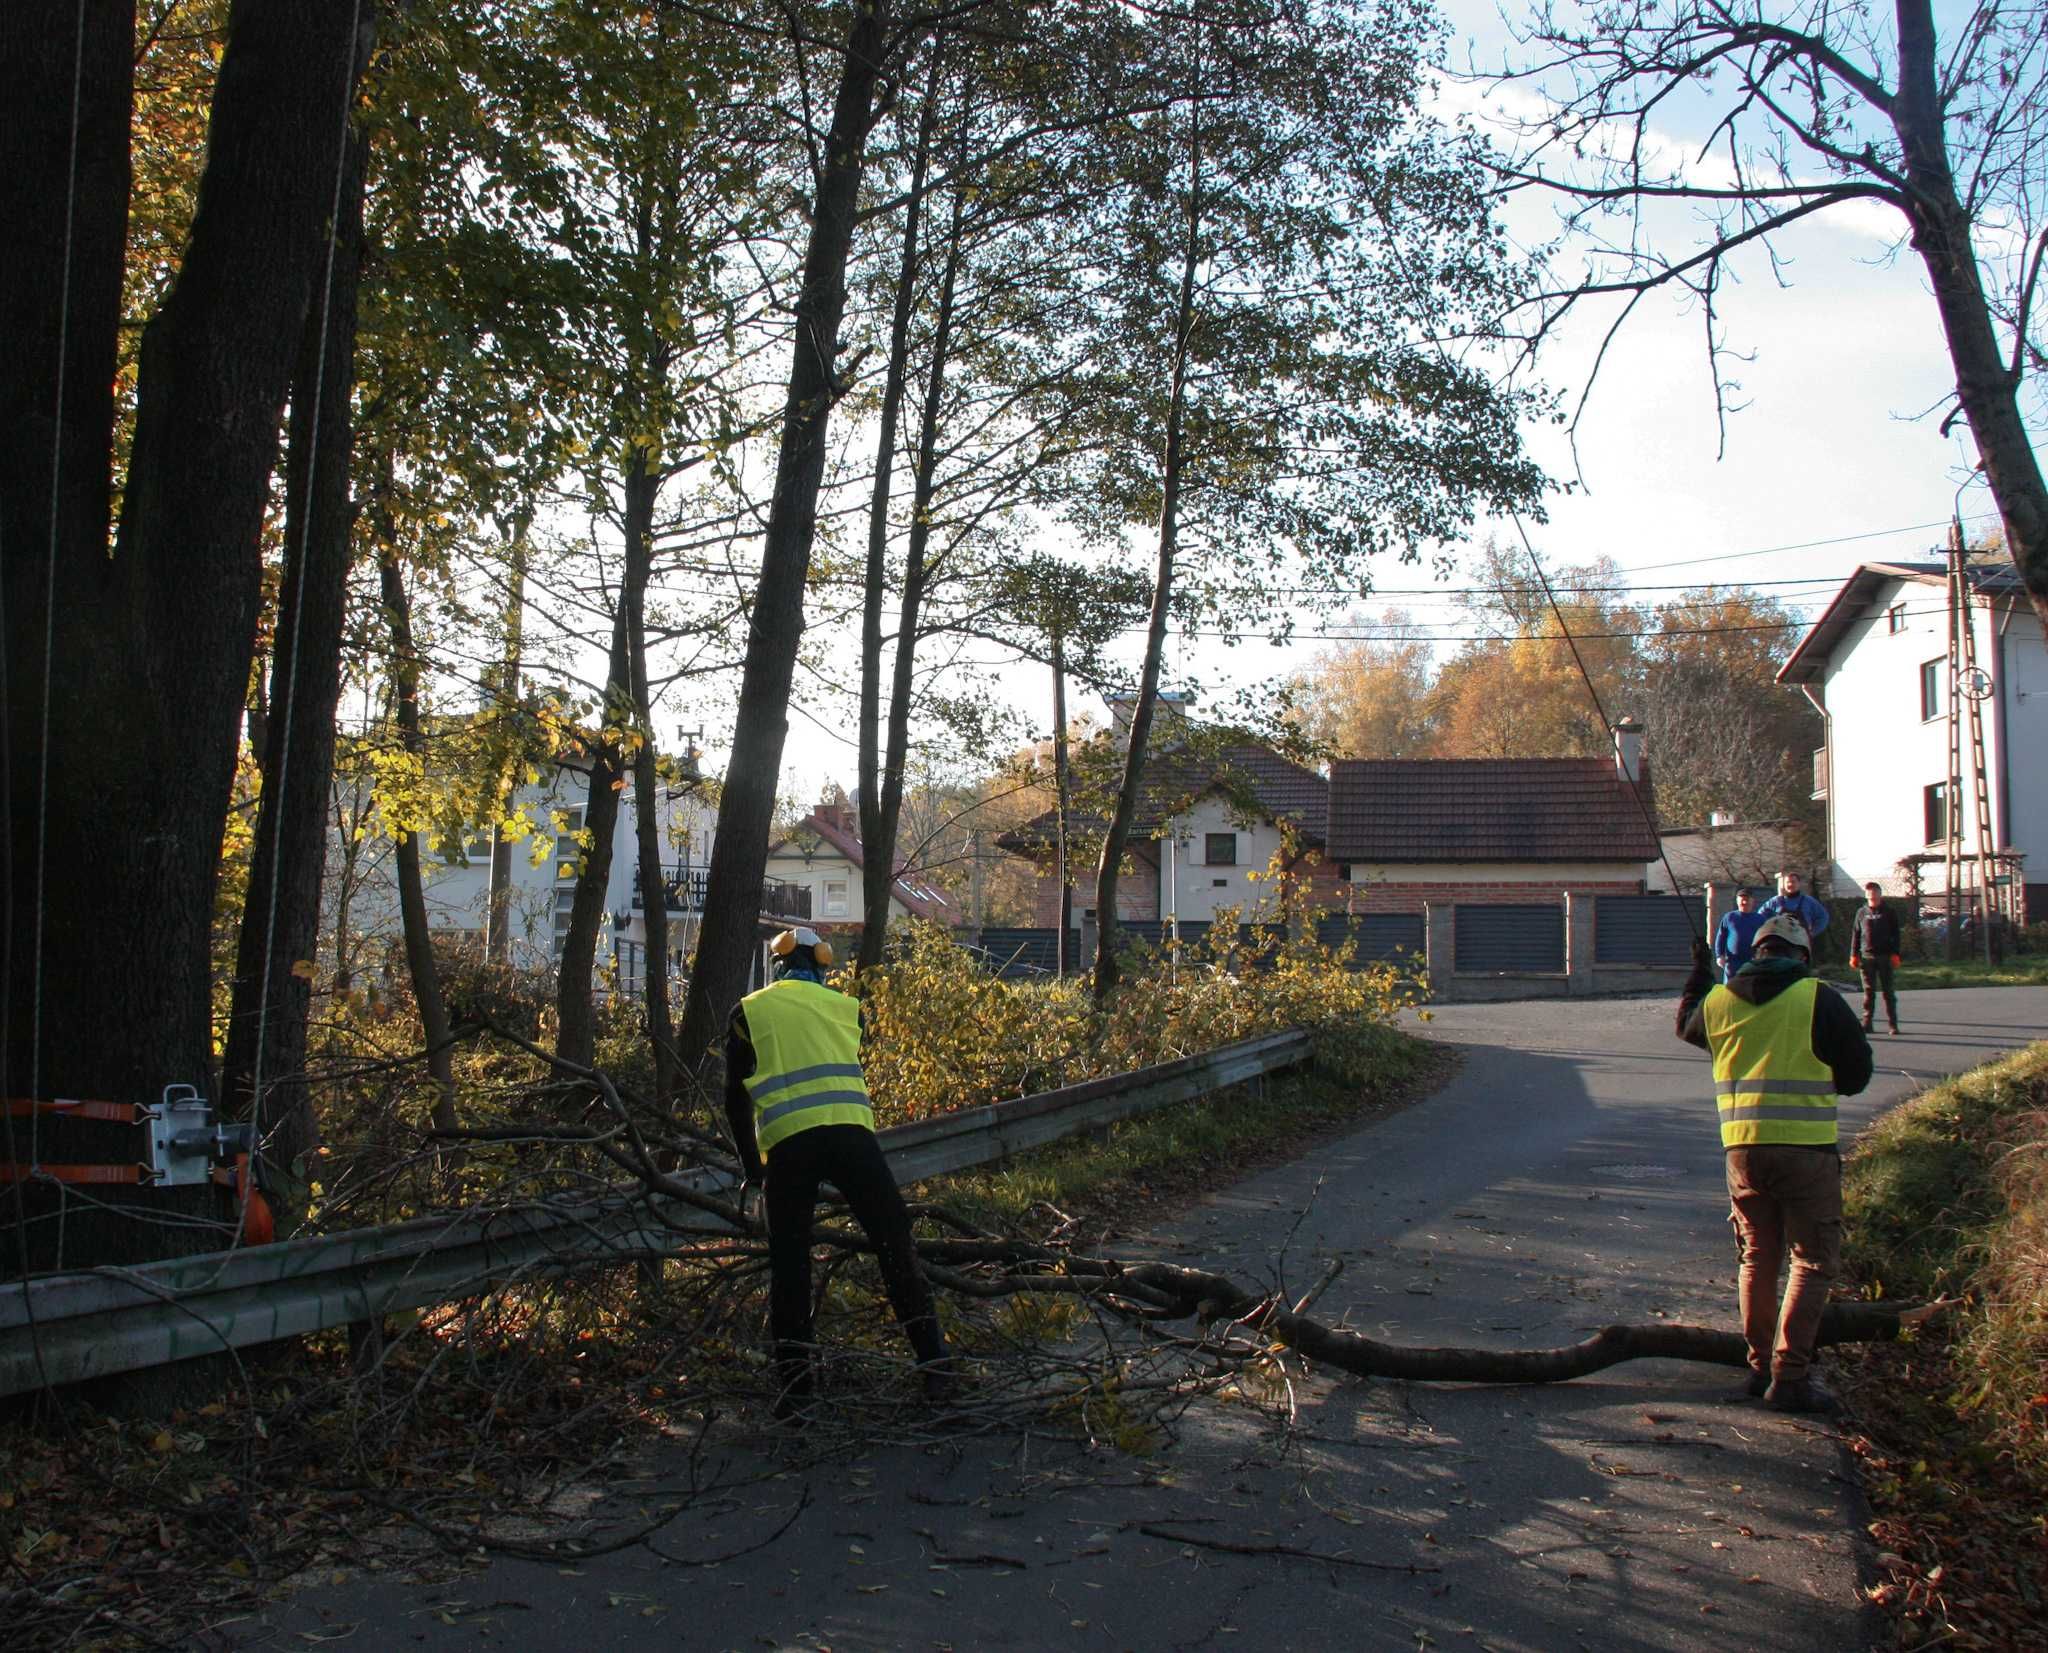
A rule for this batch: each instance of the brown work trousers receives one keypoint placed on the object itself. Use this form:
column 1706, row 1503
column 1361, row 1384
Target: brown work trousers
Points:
column 1783, row 1197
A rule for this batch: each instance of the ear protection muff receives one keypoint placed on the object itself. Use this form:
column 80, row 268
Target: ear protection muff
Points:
column 788, row 941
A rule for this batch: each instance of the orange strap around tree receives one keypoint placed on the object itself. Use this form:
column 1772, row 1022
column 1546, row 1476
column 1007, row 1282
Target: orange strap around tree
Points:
column 11, row 1171
column 112, row 1113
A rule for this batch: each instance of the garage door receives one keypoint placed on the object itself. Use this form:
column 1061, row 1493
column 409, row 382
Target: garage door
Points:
column 1642, row 929
column 1379, row 935
column 1490, row 939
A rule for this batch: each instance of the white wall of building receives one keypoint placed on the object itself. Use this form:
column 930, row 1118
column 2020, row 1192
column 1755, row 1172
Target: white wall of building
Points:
column 1191, row 885
column 1561, row 873
column 457, row 887
column 1884, row 753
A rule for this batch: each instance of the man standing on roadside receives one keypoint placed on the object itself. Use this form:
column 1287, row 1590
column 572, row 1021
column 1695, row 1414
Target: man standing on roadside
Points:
column 798, row 1106
column 1786, row 1049
column 1738, row 929
column 1874, row 950
column 1793, row 901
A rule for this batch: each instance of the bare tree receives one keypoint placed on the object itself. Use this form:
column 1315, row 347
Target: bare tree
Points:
column 1817, row 106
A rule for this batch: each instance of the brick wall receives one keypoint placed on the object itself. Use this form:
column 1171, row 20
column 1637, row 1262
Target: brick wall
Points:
column 1137, row 892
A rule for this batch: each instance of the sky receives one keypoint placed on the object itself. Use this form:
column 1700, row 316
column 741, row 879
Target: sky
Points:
column 1832, row 458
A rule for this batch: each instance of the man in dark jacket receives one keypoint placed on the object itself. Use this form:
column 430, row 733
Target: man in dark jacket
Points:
column 1874, row 950
column 798, row 1106
column 1786, row 1049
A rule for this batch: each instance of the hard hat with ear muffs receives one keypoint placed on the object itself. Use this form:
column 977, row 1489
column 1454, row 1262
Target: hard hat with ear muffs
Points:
column 787, row 942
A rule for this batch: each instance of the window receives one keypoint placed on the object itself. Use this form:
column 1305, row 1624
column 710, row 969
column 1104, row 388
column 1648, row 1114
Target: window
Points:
column 1934, row 805
column 1219, row 849
column 1930, row 688
column 835, row 897
column 1895, row 618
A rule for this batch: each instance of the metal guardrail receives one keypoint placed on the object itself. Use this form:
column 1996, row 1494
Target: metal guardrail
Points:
column 65, row 1328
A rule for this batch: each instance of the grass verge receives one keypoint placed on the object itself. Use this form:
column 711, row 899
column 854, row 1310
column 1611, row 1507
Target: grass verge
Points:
column 1113, row 1178
column 1948, row 1194
column 2029, row 970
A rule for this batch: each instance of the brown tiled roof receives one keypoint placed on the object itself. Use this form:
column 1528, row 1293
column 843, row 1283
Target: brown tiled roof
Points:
column 1281, row 790
column 1487, row 809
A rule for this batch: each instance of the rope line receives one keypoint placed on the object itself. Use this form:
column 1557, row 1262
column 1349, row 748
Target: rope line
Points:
column 1635, row 786
column 306, row 509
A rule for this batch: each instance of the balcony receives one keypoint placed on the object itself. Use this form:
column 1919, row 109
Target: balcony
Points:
column 684, row 887
column 1820, row 772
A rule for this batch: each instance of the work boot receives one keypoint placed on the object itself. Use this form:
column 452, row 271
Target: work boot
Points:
column 1894, row 1030
column 1805, row 1394
column 1867, row 1028
column 941, row 1380
column 1754, row 1389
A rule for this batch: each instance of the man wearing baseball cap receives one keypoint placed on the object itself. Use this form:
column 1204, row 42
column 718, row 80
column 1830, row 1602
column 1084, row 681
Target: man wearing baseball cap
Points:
column 1786, row 1049
column 798, row 1106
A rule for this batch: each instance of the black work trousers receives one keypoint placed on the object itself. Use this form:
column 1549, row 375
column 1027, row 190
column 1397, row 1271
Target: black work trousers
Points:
column 1877, row 978
column 848, row 1157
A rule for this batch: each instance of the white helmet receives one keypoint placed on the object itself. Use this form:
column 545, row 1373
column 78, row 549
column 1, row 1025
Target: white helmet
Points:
column 1784, row 927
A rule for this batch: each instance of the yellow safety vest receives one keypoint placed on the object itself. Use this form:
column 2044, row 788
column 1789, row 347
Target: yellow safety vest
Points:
column 1770, row 1086
column 806, row 1042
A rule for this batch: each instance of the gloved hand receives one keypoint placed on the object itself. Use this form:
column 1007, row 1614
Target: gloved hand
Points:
column 1896, row 961
column 1702, row 956
column 1855, row 963
column 753, row 1202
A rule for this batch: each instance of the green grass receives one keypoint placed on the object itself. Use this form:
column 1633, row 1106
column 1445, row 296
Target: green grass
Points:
column 1948, row 1195
column 2028, row 970
column 1194, row 1145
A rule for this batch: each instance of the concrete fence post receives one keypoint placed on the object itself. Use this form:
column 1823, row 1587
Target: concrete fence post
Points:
column 1579, row 938
column 1439, row 943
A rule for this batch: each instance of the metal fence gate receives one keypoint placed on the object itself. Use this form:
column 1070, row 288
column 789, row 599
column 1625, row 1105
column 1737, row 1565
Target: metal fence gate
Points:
column 1379, row 936
column 1642, row 929
column 1497, row 938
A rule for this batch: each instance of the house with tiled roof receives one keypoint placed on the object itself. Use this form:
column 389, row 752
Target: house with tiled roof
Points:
column 1491, row 851
column 1875, row 666
column 1211, row 812
column 823, row 855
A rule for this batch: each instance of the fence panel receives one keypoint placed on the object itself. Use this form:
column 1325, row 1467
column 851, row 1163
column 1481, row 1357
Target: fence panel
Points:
column 1496, row 938
column 1642, row 929
column 1380, row 936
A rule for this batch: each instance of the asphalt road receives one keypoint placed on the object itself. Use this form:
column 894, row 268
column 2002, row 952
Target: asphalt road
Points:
column 1567, row 1178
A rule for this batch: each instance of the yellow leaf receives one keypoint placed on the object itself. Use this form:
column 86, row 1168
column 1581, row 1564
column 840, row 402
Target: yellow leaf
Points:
column 303, row 969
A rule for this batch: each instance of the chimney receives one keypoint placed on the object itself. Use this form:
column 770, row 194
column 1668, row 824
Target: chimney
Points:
column 1628, row 749
column 1169, row 716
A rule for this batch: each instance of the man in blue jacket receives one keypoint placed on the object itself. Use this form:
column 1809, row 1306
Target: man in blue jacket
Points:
column 1793, row 902
column 1737, row 931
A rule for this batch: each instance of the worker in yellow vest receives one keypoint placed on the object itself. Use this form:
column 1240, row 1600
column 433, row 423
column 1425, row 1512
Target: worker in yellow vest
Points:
column 1786, row 1049
column 800, row 1116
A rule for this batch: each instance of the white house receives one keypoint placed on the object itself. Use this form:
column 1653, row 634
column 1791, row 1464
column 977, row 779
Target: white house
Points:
column 1875, row 665
column 541, row 892
column 823, row 856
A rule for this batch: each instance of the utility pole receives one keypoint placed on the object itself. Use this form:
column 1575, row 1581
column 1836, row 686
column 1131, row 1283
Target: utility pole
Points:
column 1974, row 684
column 1952, row 791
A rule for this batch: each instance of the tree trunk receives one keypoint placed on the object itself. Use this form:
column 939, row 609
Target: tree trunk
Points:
column 132, row 687
column 262, row 1073
column 498, row 919
column 879, row 854
column 739, row 853
column 1061, row 801
column 1118, row 835
column 576, row 1011
column 646, row 793
column 1987, row 386
column 412, row 893
column 875, row 872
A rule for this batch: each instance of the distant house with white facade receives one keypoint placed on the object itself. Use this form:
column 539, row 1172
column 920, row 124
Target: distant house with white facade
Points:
column 823, row 855
column 1210, row 815
column 540, row 892
column 1875, row 665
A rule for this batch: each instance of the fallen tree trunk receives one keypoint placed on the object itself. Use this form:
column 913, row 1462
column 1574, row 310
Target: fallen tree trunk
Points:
column 1163, row 1291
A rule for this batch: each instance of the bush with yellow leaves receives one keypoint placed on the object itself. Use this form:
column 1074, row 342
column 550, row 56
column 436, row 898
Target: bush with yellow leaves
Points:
column 944, row 1033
